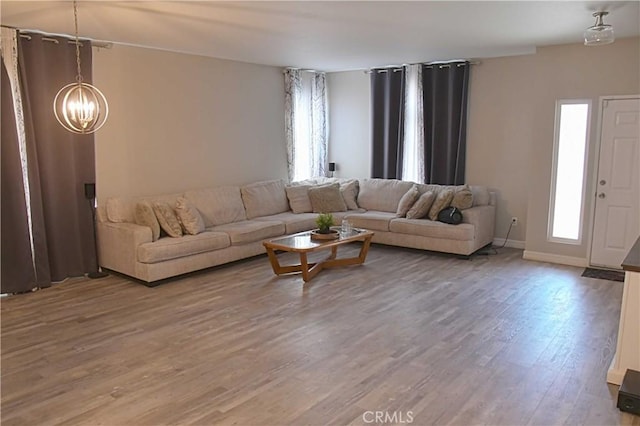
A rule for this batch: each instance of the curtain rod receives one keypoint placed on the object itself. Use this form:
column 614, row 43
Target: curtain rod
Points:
column 301, row 69
column 439, row 64
column 49, row 37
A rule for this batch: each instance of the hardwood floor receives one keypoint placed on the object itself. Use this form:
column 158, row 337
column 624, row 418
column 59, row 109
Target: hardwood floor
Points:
column 430, row 338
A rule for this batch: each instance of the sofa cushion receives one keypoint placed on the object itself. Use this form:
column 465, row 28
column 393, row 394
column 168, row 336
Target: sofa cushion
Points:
column 349, row 191
column 422, row 206
column 382, row 194
column 145, row 216
column 327, row 198
column 167, row 219
column 218, row 205
column 264, row 198
column 433, row 229
column 481, row 195
column 248, row 231
column 293, row 222
column 462, row 197
column 299, row 198
column 189, row 217
column 173, row 248
column 443, row 200
column 372, row 220
column 407, row 201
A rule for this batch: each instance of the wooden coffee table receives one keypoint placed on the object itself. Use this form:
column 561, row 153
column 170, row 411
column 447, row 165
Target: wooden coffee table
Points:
column 303, row 244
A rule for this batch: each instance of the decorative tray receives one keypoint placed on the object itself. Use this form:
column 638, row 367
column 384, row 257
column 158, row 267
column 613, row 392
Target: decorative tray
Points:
column 332, row 235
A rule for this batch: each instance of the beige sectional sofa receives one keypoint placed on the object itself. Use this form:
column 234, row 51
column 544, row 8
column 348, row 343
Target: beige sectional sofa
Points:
column 237, row 220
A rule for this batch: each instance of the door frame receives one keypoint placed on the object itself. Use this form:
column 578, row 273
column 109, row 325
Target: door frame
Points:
column 596, row 165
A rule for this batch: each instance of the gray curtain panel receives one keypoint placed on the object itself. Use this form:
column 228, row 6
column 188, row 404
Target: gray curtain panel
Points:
column 59, row 162
column 387, row 118
column 18, row 274
column 445, row 92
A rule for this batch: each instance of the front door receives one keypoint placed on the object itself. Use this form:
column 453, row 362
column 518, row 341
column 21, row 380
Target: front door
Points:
column 617, row 208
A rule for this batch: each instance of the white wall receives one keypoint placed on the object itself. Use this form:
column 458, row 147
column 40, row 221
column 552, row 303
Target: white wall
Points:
column 181, row 121
column 510, row 128
column 349, row 129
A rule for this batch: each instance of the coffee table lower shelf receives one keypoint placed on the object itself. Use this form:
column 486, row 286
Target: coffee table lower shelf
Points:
column 302, row 244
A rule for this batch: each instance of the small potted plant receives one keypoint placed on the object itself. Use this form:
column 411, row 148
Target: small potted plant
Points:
column 324, row 221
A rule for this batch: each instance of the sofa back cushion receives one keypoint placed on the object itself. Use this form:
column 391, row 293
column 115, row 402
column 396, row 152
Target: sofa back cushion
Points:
column 218, row 205
column 382, row 194
column 481, row 195
column 264, row 198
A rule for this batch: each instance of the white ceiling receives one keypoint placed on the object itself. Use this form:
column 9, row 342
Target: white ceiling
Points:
column 330, row 36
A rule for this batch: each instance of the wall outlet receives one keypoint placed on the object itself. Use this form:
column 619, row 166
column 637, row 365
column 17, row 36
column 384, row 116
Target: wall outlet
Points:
column 514, row 221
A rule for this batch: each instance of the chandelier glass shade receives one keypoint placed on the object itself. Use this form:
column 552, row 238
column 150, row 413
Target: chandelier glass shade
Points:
column 80, row 107
column 600, row 33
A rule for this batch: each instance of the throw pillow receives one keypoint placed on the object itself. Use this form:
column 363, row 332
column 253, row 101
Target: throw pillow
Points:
column 327, row 199
column 349, row 191
column 299, row 198
column 462, row 198
column 189, row 217
column 145, row 216
column 421, row 207
column 407, row 201
column 443, row 199
column 167, row 219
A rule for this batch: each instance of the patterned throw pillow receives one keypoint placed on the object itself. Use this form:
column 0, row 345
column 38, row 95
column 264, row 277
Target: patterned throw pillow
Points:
column 462, row 198
column 299, row 198
column 167, row 219
column 407, row 201
column 443, row 199
column 421, row 207
column 349, row 191
column 189, row 217
column 327, row 199
column 145, row 216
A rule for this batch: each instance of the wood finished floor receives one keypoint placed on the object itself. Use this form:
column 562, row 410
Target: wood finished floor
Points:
column 491, row 340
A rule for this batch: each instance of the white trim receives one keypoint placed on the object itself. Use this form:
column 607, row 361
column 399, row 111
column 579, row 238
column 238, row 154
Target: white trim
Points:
column 554, row 171
column 615, row 376
column 596, row 165
column 498, row 242
column 555, row 258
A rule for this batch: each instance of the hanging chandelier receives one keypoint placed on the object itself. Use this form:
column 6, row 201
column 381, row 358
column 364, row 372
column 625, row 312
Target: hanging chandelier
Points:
column 600, row 33
column 80, row 107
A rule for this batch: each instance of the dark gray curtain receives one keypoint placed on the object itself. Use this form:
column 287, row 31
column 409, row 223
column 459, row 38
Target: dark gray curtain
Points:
column 387, row 118
column 445, row 91
column 59, row 162
column 18, row 274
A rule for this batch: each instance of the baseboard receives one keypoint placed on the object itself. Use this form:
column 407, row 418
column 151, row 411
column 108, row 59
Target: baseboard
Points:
column 615, row 376
column 555, row 258
column 498, row 242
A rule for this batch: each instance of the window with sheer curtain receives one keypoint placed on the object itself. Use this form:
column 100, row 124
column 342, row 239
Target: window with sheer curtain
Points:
column 413, row 143
column 305, row 123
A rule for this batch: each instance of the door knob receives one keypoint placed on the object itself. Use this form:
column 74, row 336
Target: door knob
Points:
column 601, row 195
column 603, row 182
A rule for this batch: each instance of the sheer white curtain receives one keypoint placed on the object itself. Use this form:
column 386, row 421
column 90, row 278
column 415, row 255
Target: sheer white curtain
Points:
column 305, row 123
column 413, row 145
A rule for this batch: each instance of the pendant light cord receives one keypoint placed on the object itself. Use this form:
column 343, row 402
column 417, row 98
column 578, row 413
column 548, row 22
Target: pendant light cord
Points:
column 75, row 19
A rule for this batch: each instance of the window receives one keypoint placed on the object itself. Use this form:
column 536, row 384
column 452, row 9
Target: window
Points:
column 568, row 177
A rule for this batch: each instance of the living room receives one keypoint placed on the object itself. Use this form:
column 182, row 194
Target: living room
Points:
column 179, row 121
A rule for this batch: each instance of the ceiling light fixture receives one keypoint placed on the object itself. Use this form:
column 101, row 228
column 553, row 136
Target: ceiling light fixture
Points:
column 80, row 107
column 600, row 33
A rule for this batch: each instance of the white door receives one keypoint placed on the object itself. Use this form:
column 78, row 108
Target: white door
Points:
column 617, row 208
